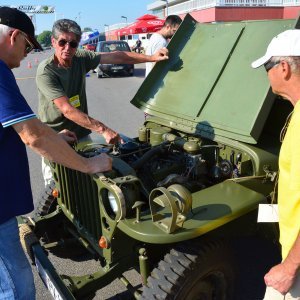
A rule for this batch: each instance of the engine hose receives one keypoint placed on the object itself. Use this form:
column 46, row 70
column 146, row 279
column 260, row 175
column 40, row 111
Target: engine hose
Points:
column 160, row 149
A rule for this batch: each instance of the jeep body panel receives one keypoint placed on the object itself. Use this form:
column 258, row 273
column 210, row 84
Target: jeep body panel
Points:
column 207, row 86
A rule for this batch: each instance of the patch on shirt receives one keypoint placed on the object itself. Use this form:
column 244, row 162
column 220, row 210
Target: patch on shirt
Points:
column 75, row 101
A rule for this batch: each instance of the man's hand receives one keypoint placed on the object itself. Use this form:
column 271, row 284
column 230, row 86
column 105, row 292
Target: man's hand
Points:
column 99, row 163
column 69, row 136
column 281, row 277
column 161, row 54
column 111, row 137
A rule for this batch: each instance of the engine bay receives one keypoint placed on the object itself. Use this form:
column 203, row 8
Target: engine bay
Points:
column 160, row 157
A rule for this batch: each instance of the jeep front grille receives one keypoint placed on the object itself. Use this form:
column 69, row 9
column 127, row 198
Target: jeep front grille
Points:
column 78, row 198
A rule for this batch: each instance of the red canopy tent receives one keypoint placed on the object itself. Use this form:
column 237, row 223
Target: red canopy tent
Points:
column 144, row 24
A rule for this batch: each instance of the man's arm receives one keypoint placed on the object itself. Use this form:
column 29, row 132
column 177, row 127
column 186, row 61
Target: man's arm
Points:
column 84, row 120
column 281, row 277
column 124, row 57
column 46, row 142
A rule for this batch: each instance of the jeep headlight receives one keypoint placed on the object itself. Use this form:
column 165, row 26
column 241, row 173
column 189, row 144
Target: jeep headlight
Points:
column 113, row 202
column 119, row 198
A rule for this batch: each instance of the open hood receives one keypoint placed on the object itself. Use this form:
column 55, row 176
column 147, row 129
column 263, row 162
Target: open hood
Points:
column 208, row 87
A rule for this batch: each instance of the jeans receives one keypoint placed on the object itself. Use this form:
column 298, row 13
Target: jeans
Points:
column 16, row 278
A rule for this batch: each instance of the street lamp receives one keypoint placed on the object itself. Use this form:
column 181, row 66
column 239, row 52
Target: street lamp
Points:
column 107, row 30
column 123, row 17
column 167, row 6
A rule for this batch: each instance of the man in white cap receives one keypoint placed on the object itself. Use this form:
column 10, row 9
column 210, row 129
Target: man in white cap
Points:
column 282, row 64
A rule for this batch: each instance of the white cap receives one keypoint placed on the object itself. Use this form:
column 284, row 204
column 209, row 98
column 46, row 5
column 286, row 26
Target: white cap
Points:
column 286, row 43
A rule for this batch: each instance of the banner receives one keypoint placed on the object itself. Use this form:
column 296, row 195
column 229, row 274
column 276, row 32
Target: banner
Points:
column 34, row 9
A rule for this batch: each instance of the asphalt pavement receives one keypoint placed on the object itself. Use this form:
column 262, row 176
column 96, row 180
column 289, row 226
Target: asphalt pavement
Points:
column 109, row 102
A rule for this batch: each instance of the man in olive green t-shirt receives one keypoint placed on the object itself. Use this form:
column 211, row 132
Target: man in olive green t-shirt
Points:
column 61, row 82
column 55, row 82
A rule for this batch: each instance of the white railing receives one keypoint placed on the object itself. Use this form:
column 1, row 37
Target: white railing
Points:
column 192, row 5
column 160, row 13
column 249, row 3
column 290, row 2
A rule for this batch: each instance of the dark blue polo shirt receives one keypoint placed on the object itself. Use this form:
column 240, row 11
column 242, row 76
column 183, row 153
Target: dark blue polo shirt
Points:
column 15, row 190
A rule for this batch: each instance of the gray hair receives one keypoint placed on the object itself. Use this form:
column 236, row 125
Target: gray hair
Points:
column 293, row 61
column 66, row 26
column 4, row 30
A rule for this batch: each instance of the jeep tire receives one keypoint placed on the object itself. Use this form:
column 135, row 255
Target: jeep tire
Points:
column 193, row 270
column 47, row 203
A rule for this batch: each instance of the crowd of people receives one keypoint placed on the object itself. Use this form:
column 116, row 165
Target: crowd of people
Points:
column 63, row 118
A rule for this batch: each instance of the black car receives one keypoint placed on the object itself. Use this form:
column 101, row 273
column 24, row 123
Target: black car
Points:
column 104, row 70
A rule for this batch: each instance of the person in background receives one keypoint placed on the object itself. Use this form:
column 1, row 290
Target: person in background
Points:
column 159, row 39
column 137, row 46
column 282, row 64
column 61, row 83
column 19, row 127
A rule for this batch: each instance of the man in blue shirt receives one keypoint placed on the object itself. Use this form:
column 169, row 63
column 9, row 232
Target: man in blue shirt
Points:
column 19, row 126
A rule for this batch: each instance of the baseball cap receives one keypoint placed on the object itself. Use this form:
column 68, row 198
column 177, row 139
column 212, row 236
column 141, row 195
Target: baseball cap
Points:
column 286, row 43
column 16, row 19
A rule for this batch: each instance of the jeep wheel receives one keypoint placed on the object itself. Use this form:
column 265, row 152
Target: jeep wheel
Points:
column 192, row 271
column 47, row 204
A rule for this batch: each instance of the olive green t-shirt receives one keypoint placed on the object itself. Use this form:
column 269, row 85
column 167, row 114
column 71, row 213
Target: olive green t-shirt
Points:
column 54, row 82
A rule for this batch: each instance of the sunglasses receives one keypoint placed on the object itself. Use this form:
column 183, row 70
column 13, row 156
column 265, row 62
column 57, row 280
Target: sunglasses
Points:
column 29, row 46
column 270, row 64
column 63, row 42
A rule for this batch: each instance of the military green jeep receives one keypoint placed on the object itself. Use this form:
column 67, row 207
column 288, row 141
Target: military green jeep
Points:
column 187, row 186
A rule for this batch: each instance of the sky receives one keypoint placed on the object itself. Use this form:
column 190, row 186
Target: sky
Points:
column 88, row 13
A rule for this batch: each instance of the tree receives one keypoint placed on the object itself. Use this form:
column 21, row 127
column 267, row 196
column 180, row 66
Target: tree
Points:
column 45, row 38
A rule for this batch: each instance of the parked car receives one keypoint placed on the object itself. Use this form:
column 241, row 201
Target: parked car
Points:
column 187, row 187
column 46, row 47
column 105, row 70
column 90, row 47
